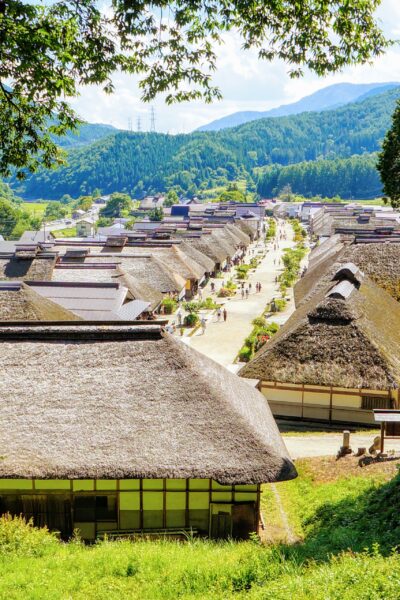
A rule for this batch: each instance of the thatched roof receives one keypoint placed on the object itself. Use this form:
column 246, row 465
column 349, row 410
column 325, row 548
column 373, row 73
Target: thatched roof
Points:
column 153, row 272
column 247, row 226
column 346, row 340
column 199, row 257
column 210, row 247
column 380, row 261
column 31, row 269
column 139, row 290
column 126, row 402
column 18, row 302
column 239, row 233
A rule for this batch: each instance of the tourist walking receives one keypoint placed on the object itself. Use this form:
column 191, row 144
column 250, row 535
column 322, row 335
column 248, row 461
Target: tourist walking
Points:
column 203, row 325
column 212, row 286
column 179, row 317
column 259, row 287
column 242, row 291
column 249, row 288
column 219, row 314
column 247, row 293
column 225, row 313
column 200, row 294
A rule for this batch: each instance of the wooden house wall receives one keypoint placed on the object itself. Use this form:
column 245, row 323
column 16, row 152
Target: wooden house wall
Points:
column 96, row 506
column 322, row 403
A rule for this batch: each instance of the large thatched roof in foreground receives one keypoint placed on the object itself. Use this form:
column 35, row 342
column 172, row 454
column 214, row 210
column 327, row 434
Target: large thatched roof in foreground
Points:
column 331, row 341
column 380, row 261
column 125, row 402
column 18, row 302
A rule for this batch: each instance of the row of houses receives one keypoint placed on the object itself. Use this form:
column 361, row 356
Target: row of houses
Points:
column 338, row 356
column 113, row 427
column 126, row 276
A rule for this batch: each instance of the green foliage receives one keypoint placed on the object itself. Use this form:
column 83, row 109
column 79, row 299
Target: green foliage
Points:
column 195, row 307
column 84, row 203
column 191, row 319
column 118, row 205
column 232, row 194
column 171, row 199
column 54, row 211
column 121, row 161
column 59, row 45
column 271, row 231
column 280, row 304
column 169, row 305
column 230, row 285
column 347, row 529
column 157, row 214
column 389, row 160
column 67, row 232
column 354, row 177
column 225, row 292
column 262, row 331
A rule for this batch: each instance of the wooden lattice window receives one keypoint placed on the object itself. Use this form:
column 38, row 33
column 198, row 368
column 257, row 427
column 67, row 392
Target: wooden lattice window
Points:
column 371, row 402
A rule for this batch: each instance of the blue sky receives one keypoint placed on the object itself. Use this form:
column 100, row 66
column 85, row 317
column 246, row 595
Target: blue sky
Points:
column 246, row 84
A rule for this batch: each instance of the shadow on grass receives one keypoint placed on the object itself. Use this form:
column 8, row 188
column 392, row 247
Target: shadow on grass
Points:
column 371, row 518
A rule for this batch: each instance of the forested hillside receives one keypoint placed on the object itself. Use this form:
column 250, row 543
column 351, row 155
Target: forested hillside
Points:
column 138, row 162
column 354, row 177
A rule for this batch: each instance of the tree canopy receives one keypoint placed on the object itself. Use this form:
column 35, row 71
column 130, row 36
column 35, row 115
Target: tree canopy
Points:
column 117, row 206
column 48, row 50
column 389, row 161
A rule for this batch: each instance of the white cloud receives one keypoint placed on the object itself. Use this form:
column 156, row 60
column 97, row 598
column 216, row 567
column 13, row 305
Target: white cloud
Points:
column 246, row 83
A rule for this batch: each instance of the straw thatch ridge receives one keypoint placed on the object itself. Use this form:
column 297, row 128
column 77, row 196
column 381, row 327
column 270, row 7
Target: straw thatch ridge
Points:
column 210, row 247
column 353, row 343
column 199, row 257
column 380, row 261
column 24, row 304
column 244, row 237
column 124, row 403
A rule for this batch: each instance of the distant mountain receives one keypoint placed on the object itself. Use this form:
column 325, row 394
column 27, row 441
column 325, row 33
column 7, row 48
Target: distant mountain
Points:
column 149, row 162
column 88, row 133
column 327, row 98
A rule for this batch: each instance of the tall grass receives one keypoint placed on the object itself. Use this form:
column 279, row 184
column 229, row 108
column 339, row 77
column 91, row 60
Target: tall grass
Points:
column 336, row 520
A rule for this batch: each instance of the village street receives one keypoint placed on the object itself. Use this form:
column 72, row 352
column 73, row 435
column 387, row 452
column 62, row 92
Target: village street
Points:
column 223, row 340
column 328, row 444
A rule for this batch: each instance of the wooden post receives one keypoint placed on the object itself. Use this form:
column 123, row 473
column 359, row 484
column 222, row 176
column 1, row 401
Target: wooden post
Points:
column 346, row 439
column 382, row 436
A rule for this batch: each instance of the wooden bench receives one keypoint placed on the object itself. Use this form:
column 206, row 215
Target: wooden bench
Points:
column 178, row 532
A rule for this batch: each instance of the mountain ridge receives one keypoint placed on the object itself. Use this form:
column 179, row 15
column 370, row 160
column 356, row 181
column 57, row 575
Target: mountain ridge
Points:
column 200, row 160
column 327, row 98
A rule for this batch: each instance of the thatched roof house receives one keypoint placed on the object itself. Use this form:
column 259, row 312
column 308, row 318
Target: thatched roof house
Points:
column 344, row 341
column 201, row 258
column 18, row 302
column 131, row 430
column 39, row 268
column 139, row 290
column 380, row 261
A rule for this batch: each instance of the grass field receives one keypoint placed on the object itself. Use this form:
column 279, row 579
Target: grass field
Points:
column 35, row 209
column 346, row 520
column 65, row 233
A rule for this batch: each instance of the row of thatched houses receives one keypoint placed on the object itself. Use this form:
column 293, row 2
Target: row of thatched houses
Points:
column 113, row 428
column 96, row 279
column 338, row 356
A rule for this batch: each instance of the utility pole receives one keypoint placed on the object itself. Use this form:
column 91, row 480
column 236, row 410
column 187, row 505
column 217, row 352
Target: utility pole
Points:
column 130, row 124
column 152, row 120
column 139, row 124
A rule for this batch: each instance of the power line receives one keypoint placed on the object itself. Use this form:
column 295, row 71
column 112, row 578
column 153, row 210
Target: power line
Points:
column 152, row 120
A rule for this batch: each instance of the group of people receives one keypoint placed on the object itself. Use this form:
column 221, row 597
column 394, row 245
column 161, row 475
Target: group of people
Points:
column 246, row 291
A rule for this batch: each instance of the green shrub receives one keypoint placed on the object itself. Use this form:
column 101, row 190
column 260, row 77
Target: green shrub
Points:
column 208, row 304
column 280, row 304
column 18, row 536
column 190, row 320
column 230, row 285
column 245, row 354
column 259, row 322
column 225, row 293
column 192, row 307
column 169, row 305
